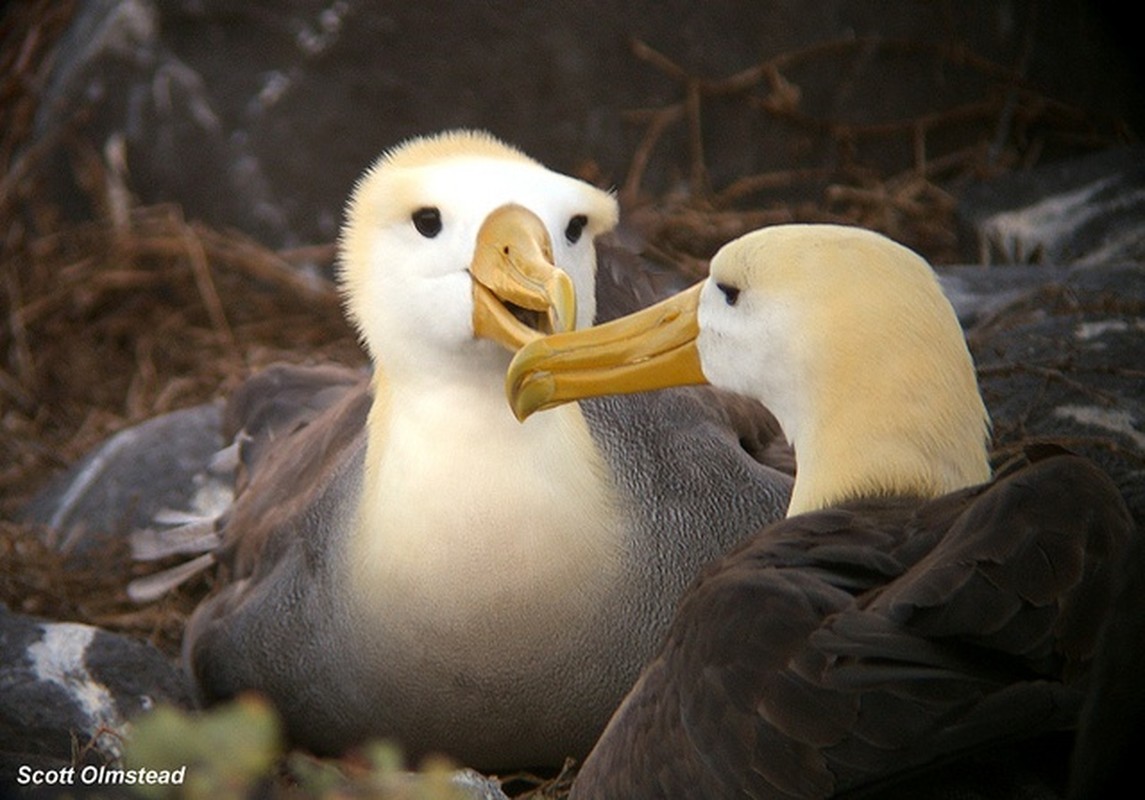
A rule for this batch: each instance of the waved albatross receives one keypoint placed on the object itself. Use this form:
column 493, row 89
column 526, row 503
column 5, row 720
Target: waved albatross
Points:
column 910, row 609
column 403, row 558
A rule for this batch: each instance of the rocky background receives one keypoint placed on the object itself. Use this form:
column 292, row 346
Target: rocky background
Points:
column 172, row 174
column 259, row 115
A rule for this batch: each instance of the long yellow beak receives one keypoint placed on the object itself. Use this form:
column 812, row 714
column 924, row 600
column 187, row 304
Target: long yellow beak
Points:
column 518, row 292
column 651, row 349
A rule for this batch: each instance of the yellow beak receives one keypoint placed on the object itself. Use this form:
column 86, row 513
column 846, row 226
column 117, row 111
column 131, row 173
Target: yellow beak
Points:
column 518, row 292
column 651, row 349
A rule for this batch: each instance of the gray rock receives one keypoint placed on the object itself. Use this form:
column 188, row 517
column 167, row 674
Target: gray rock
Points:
column 1058, row 327
column 478, row 786
column 978, row 293
column 468, row 783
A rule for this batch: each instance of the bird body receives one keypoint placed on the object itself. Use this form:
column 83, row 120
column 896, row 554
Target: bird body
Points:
column 852, row 648
column 911, row 610
column 403, row 558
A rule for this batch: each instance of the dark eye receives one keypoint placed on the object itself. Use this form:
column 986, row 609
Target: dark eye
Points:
column 575, row 228
column 731, row 293
column 427, row 221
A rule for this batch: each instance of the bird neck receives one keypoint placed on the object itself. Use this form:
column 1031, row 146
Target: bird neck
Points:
column 460, row 497
column 888, row 438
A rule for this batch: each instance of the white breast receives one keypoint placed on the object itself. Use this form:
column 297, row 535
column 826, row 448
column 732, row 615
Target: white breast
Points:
column 471, row 515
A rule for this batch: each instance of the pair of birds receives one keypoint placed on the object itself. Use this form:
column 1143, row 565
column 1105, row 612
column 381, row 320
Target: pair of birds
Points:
column 406, row 558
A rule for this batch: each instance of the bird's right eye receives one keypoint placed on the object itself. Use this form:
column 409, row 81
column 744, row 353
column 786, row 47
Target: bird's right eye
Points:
column 427, row 221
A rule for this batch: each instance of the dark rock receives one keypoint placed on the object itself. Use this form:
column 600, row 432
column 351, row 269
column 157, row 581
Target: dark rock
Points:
column 260, row 115
column 68, row 689
column 1062, row 362
column 1085, row 211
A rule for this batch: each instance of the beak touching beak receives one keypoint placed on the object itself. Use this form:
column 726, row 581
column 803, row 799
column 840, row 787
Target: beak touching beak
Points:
column 518, row 292
column 652, row 349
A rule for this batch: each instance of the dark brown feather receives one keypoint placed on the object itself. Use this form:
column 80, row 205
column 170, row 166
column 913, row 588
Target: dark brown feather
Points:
column 849, row 648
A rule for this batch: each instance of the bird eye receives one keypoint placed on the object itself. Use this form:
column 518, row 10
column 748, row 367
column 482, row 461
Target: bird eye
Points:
column 575, row 228
column 427, row 221
column 731, row 293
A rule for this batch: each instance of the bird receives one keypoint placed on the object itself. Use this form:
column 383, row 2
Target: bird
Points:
column 914, row 612
column 402, row 558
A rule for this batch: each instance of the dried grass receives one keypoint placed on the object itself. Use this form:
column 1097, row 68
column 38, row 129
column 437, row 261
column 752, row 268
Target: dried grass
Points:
column 106, row 323
column 1009, row 127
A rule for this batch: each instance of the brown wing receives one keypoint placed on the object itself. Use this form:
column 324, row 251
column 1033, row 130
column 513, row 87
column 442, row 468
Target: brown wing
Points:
column 1112, row 724
column 627, row 282
column 276, row 403
column 303, row 435
column 289, row 426
column 296, row 426
column 845, row 649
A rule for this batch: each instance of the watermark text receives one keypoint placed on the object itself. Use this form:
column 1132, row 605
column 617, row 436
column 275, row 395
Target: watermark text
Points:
column 101, row 775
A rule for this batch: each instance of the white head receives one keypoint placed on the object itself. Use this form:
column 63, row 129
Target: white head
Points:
column 410, row 242
column 845, row 335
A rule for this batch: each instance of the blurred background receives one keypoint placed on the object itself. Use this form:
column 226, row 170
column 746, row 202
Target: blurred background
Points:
column 259, row 115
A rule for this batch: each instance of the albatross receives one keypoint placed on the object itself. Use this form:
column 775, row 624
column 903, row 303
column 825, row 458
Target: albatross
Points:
column 402, row 558
column 911, row 608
